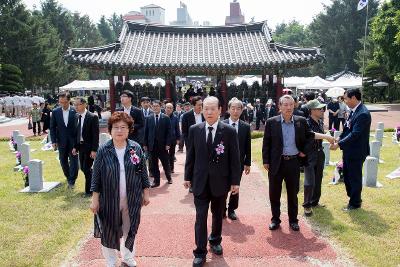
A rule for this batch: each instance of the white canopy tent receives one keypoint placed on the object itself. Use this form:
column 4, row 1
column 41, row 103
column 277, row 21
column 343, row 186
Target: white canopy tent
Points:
column 315, row 83
column 249, row 79
column 348, row 82
column 94, row 85
column 295, row 81
column 335, row 92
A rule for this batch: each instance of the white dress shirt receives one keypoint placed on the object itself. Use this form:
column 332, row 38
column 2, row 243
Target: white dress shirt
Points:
column 197, row 117
column 82, row 120
column 66, row 115
column 122, row 178
column 213, row 131
column 128, row 110
column 236, row 124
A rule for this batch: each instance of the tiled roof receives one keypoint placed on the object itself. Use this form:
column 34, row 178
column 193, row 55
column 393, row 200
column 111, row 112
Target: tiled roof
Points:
column 345, row 73
column 161, row 48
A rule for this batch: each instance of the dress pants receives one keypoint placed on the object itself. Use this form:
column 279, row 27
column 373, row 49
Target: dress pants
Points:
column 39, row 130
column 111, row 254
column 313, row 174
column 352, row 174
column 86, row 162
column 162, row 154
column 333, row 122
column 181, row 143
column 233, row 203
column 289, row 171
column 171, row 155
column 258, row 120
column 202, row 203
column 69, row 163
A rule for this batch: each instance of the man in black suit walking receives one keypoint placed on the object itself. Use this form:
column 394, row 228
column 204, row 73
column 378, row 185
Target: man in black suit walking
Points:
column 63, row 137
column 235, row 108
column 212, row 168
column 192, row 117
column 87, row 140
column 259, row 111
column 175, row 134
column 354, row 142
column 127, row 107
column 285, row 139
column 157, row 140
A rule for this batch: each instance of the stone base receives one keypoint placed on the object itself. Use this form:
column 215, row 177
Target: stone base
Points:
column 17, row 168
column 378, row 185
column 47, row 186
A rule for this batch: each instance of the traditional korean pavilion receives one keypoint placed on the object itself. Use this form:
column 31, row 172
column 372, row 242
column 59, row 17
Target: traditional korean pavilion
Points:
column 169, row 51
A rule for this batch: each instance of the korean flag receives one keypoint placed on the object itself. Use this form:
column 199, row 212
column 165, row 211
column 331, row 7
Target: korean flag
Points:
column 362, row 4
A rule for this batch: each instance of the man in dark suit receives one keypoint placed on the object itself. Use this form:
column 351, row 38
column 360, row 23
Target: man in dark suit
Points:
column 354, row 142
column 157, row 140
column 175, row 134
column 212, row 168
column 127, row 107
column 270, row 110
column 63, row 137
column 285, row 139
column 186, row 108
column 87, row 140
column 192, row 117
column 259, row 111
column 235, row 108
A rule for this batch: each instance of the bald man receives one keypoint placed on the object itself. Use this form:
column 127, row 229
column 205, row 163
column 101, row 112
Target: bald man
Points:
column 212, row 169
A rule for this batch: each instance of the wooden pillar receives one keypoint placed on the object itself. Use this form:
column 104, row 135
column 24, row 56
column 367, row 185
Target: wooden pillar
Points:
column 224, row 93
column 264, row 86
column 279, row 86
column 112, row 92
column 168, row 86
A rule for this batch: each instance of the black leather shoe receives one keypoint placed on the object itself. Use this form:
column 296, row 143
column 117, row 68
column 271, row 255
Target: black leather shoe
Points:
column 349, row 208
column 154, row 185
column 170, row 181
column 294, row 226
column 190, row 190
column 232, row 216
column 199, row 262
column 216, row 249
column 273, row 226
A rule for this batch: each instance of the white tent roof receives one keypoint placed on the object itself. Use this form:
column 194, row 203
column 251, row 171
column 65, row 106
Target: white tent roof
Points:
column 250, row 79
column 78, row 85
column 316, row 83
column 296, row 81
column 154, row 82
column 348, row 82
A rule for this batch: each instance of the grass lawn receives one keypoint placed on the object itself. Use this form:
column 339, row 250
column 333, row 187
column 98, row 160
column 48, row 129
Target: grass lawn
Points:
column 371, row 235
column 39, row 229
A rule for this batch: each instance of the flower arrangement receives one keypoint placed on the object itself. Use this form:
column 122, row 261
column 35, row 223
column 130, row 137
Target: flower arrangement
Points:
column 13, row 143
column 25, row 175
column 338, row 173
column 134, row 157
column 332, row 131
column 219, row 151
column 18, row 157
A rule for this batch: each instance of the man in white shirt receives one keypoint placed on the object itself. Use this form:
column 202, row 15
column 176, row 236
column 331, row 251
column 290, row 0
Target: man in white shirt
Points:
column 9, row 106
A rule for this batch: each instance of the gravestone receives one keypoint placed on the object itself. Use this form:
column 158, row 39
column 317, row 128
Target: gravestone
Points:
column 375, row 149
column 36, row 181
column 379, row 135
column 327, row 152
column 15, row 133
column 336, row 134
column 25, row 154
column 20, row 139
column 380, row 126
column 370, row 177
column 104, row 137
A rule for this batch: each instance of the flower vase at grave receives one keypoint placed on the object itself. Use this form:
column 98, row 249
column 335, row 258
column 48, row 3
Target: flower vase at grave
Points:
column 25, row 175
column 18, row 158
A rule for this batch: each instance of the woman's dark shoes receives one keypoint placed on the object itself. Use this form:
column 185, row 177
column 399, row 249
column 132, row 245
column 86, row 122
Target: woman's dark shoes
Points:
column 232, row 216
column 294, row 226
column 199, row 262
column 308, row 212
column 350, row 208
column 216, row 249
column 273, row 226
column 170, row 181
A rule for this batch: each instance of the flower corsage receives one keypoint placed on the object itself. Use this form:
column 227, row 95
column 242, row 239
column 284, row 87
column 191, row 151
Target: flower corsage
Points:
column 219, row 151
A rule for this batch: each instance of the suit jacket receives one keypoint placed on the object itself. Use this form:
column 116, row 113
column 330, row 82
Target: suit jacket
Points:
column 273, row 140
column 161, row 135
column 187, row 121
column 201, row 170
column 260, row 111
column 271, row 113
column 354, row 141
column 137, row 133
column 175, row 131
column 60, row 134
column 90, row 132
column 244, row 137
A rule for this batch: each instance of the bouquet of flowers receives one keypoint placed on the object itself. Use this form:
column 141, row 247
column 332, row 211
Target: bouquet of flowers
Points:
column 338, row 173
column 332, row 131
column 18, row 157
column 25, row 175
column 13, row 144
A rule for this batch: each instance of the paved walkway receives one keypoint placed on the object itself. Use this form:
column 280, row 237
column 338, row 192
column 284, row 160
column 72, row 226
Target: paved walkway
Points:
column 166, row 232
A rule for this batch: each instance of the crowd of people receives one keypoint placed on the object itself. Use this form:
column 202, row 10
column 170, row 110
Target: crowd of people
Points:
column 218, row 152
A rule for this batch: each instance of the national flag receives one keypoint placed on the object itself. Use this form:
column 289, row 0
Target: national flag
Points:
column 362, row 4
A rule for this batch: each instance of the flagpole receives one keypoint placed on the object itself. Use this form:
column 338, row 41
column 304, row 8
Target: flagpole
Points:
column 365, row 40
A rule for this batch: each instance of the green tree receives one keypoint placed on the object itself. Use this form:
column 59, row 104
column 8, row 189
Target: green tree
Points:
column 338, row 29
column 116, row 22
column 293, row 34
column 105, row 30
column 10, row 78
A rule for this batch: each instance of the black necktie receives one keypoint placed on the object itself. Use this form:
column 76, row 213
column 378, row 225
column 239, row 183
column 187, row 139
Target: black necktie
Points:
column 156, row 121
column 351, row 114
column 209, row 140
column 79, row 128
column 234, row 125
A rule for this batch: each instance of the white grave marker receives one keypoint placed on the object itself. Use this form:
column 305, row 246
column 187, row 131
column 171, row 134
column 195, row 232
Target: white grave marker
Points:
column 370, row 177
column 36, row 183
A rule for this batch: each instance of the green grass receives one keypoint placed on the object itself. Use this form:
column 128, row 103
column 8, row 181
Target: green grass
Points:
column 39, row 229
column 371, row 235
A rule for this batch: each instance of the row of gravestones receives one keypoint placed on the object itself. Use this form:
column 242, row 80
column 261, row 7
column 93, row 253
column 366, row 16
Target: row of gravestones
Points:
column 370, row 177
column 35, row 166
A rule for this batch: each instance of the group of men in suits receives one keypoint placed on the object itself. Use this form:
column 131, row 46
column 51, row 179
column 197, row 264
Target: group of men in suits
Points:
column 75, row 133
